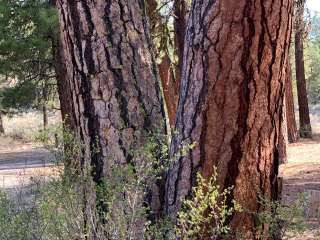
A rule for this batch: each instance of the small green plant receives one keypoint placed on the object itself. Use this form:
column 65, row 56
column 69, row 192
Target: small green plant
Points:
column 283, row 221
column 205, row 215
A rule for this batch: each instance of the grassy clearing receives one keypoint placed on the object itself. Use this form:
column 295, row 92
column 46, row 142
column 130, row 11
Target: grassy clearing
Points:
column 26, row 126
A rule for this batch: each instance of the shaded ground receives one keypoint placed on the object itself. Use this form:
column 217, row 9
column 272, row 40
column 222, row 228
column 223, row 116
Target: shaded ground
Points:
column 302, row 175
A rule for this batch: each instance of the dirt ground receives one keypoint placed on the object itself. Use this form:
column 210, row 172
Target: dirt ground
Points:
column 302, row 175
column 20, row 161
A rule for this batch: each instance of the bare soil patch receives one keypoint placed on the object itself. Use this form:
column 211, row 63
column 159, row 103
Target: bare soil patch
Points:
column 302, row 175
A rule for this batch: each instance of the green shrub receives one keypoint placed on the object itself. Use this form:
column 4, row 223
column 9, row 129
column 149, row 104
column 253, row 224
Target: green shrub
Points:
column 205, row 215
column 284, row 221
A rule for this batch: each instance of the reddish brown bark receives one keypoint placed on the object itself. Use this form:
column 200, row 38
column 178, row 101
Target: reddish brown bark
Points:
column 170, row 90
column 180, row 26
column 290, row 111
column 231, row 102
column 170, row 73
column 304, row 118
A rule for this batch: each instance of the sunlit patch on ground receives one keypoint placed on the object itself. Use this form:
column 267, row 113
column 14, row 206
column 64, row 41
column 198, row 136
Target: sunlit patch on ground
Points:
column 302, row 175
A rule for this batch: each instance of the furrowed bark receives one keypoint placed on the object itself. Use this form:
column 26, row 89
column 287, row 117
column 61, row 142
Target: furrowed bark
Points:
column 231, row 103
column 115, row 91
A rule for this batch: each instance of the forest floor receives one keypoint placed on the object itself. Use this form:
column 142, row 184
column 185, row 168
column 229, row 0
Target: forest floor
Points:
column 20, row 161
column 301, row 175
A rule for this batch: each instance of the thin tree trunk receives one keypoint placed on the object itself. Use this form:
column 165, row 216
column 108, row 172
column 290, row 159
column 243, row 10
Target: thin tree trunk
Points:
column 283, row 136
column 170, row 90
column 180, row 26
column 1, row 125
column 45, row 116
column 231, row 103
column 290, row 110
column 304, row 118
column 115, row 90
column 170, row 73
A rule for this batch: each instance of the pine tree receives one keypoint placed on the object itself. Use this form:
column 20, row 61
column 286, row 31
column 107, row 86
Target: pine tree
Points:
column 231, row 103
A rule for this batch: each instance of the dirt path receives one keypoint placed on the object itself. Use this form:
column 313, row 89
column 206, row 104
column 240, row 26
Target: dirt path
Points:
column 19, row 161
column 302, row 175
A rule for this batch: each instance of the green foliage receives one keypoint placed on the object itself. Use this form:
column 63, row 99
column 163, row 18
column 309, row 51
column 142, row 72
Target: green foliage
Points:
column 284, row 221
column 205, row 215
column 29, row 29
column 21, row 96
column 121, row 207
column 312, row 61
column 58, row 208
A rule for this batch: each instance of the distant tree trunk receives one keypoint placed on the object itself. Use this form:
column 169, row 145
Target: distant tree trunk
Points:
column 166, row 73
column 170, row 73
column 115, row 91
column 290, row 110
column 304, row 118
column 283, row 135
column 180, row 26
column 45, row 116
column 44, row 104
column 231, row 103
column 170, row 90
column 1, row 125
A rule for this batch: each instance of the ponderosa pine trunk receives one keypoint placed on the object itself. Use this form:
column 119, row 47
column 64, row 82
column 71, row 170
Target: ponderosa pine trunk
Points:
column 304, row 117
column 64, row 90
column 115, row 91
column 290, row 111
column 230, row 103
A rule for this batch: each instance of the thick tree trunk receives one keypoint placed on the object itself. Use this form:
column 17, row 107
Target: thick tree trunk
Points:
column 290, row 111
column 64, row 89
column 231, row 102
column 115, row 93
column 304, row 118
column 1, row 125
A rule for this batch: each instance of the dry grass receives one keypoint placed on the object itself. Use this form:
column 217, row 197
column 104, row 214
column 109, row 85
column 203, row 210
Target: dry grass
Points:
column 25, row 126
